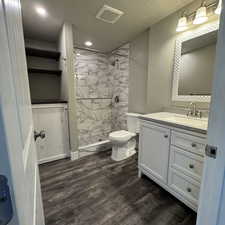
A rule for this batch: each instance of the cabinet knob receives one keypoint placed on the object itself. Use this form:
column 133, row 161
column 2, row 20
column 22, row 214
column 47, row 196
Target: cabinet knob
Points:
column 189, row 190
column 166, row 136
column 191, row 166
column 193, row 145
column 41, row 135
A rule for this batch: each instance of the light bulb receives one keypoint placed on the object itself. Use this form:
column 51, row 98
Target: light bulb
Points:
column 182, row 24
column 201, row 15
column 219, row 8
column 88, row 43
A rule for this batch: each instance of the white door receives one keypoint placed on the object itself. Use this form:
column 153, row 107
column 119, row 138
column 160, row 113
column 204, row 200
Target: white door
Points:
column 155, row 151
column 17, row 155
column 212, row 198
column 52, row 119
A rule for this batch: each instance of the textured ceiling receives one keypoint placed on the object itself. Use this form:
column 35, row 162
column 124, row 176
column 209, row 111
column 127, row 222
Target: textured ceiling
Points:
column 138, row 16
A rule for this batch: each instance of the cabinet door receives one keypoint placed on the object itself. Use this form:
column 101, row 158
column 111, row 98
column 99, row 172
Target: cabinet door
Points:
column 154, row 151
column 53, row 121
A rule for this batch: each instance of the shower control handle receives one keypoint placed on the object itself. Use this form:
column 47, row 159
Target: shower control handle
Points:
column 117, row 99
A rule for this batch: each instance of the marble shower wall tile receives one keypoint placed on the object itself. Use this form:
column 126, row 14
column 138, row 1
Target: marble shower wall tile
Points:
column 98, row 81
column 92, row 74
column 94, row 97
column 94, row 120
column 123, row 50
column 119, row 119
column 120, row 74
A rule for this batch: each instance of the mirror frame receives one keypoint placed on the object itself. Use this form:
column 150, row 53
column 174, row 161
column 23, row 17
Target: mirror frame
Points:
column 204, row 29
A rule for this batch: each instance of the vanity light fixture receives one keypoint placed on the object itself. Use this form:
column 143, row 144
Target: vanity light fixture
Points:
column 182, row 24
column 88, row 43
column 201, row 15
column 219, row 8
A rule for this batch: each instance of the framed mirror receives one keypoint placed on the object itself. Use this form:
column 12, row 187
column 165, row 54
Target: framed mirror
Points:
column 194, row 64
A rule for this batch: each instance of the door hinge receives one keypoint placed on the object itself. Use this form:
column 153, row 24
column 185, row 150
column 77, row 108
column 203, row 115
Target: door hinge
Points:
column 211, row 151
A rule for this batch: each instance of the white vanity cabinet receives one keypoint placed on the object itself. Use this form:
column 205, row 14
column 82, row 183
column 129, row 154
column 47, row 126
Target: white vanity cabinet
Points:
column 173, row 158
column 155, row 150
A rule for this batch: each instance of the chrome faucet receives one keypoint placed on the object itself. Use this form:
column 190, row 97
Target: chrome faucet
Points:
column 193, row 111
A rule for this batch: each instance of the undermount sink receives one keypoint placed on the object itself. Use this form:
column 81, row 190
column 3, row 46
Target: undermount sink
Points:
column 178, row 119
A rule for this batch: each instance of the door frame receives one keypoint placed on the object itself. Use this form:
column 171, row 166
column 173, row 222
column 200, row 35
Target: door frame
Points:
column 212, row 195
column 16, row 125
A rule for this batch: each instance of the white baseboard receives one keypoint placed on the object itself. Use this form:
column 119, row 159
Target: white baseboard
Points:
column 94, row 148
column 52, row 158
column 86, row 153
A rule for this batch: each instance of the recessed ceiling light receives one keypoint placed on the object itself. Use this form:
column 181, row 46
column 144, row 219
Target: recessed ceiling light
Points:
column 88, row 43
column 41, row 11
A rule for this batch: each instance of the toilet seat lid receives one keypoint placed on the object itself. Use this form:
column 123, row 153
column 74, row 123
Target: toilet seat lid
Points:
column 122, row 134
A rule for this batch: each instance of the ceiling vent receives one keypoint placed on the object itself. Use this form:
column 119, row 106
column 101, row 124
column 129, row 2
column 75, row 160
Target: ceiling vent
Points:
column 109, row 14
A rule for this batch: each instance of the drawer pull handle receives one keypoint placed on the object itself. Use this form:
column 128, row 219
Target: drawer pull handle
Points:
column 191, row 166
column 189, row 190
column 193, row 145
column 166, row 136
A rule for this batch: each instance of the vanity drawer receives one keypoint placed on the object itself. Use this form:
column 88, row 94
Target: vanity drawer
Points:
column 188, row 163
column 184, row 186
column 188, row 142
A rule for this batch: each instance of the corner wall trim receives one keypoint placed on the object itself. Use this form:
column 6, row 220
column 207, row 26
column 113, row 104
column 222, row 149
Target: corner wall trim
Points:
column 74, row 155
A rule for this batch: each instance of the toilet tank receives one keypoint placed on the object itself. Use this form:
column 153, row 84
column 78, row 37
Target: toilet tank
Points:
column 133, row 124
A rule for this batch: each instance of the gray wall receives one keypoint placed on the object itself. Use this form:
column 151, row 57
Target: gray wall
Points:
column 138, row 73
column 162, row 37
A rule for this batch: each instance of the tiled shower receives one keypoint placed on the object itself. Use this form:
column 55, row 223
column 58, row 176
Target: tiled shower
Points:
column 100, row 78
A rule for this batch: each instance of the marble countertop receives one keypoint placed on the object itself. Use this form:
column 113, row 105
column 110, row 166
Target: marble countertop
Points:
column 199, row 125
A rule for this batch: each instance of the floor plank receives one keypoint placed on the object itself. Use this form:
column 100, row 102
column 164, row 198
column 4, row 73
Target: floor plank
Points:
column 98, row 191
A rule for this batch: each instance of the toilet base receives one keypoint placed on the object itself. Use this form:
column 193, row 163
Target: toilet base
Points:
column 124, row 151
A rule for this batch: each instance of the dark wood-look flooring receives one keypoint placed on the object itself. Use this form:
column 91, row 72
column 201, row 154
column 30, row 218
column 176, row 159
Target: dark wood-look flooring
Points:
column 98, row 191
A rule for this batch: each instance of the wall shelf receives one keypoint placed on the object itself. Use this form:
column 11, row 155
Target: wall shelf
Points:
column 48, row 101
column 44, row 71
column 42, row 53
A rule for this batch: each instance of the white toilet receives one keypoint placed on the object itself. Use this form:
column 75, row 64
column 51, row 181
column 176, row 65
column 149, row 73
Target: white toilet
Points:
column 124, row 142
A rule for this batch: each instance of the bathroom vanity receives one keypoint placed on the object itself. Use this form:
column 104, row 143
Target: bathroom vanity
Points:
column 171, row 153
column 172, row 146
